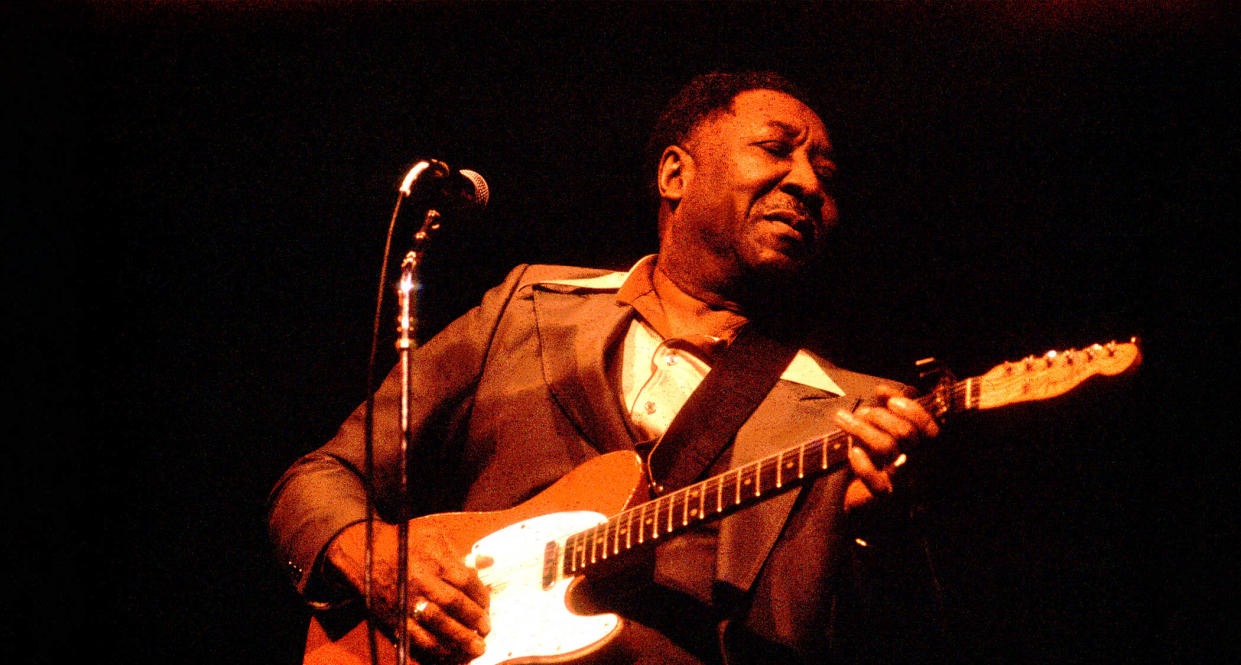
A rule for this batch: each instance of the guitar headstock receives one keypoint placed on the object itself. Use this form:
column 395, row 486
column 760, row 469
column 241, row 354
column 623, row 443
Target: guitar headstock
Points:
column 1054, row 373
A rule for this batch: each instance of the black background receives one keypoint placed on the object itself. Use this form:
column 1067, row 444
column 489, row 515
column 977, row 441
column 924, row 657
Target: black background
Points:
column 199, row 194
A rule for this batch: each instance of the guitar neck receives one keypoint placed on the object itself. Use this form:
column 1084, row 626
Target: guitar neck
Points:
column 649, row 523
column 1026, row 380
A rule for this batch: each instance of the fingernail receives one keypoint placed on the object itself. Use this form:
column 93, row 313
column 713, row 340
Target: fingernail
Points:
column 900, row 402
column 477, row 647
column 484, row 626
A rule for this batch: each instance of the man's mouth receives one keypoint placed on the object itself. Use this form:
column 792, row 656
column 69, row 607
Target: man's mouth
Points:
column 799, row 223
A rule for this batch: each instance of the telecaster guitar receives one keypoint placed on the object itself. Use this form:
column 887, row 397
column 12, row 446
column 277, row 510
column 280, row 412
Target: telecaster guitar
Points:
column 596, row 515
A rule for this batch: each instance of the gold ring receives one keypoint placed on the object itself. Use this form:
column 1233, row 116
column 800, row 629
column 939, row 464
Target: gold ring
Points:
column 420, row 608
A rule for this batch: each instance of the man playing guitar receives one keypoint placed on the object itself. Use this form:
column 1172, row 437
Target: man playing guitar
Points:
column 559, row 365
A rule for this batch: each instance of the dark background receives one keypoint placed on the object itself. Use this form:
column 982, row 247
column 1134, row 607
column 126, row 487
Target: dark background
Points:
column 199, row 194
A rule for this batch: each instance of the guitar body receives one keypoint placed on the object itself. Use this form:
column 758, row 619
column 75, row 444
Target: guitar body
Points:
column 531, row 624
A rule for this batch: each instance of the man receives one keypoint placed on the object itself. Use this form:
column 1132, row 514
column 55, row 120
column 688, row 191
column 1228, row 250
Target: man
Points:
column 558, row 365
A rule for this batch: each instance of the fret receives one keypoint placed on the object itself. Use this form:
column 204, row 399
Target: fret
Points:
column 702, row 494
column 642, row 524
column 737, row 494
column 672, row 505
column 593, row 543
column 655, row 518
column 758, row 469
column 801, row 460
column 823, row 464
column 779, row 468
column 685, row 510
column 616, row 538
column 628, row 529
column 719, row 495
column 601, row 541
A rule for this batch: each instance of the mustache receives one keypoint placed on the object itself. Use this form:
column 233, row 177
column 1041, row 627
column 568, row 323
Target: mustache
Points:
column 790, row 208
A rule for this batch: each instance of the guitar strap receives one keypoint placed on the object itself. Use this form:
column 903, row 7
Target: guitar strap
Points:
column 738, row 382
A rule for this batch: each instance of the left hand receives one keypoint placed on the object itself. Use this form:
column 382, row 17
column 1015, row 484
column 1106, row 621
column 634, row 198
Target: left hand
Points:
column 880, row 434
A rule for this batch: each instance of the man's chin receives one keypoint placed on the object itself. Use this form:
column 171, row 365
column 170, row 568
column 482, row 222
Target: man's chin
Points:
column 781, row 262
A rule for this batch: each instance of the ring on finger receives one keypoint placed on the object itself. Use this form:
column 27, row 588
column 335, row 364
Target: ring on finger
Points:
column 420, row 609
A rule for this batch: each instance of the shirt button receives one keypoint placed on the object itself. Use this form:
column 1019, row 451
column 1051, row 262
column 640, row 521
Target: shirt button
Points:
column 650, row 407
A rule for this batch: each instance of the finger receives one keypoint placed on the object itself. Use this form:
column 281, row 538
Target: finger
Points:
column 455, row 605
column 901, row 429
column 875, row 479
column 424, row 640
column 874, row 439
column 447, row 632
column 466, row 579
column 910, row 410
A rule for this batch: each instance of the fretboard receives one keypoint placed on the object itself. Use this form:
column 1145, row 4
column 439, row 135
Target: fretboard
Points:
column 654, row 521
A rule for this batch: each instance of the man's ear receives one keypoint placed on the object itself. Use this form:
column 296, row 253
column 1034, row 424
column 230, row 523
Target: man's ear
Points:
column 676, row 167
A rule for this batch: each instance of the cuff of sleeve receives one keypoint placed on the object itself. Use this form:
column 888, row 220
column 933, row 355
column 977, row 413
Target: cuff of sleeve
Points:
column 319, row 587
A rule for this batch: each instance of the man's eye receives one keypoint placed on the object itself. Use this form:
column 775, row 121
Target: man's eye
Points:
column 777, row 148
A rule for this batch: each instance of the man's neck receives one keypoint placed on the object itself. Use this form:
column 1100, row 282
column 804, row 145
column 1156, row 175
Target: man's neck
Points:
column 770, row 302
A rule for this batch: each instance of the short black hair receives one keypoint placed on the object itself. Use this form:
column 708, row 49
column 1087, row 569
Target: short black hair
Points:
column 704, row 95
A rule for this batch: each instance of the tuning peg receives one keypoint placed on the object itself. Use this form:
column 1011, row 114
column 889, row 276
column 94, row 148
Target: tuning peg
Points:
column 1050, row 357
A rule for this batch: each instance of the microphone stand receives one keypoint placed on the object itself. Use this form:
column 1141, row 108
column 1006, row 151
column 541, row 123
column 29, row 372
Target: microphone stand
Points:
column 407, row 288
column 406, row 342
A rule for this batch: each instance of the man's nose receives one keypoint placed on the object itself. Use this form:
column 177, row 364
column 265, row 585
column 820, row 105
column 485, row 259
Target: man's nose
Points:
column 803, row 182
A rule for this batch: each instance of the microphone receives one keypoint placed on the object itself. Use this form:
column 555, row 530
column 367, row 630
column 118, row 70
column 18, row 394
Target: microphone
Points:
column 434, row 180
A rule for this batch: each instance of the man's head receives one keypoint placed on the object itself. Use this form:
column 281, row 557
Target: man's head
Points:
column 743, row 178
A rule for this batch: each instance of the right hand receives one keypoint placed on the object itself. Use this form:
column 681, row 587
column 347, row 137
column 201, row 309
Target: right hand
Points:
column 455, row 617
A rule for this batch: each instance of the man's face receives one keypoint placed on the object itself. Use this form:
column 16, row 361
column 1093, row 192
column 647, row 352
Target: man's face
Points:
column 757, row 201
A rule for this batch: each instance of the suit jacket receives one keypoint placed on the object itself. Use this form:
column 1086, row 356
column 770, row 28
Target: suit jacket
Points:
column 515, row 394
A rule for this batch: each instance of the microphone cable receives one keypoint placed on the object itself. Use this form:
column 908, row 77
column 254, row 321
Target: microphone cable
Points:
column 369, row 437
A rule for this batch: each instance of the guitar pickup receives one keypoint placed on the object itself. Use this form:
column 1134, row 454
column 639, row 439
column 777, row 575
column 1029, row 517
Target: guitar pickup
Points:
column 551, row 553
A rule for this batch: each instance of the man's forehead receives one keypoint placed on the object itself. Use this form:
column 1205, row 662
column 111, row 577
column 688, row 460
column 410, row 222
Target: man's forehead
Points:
column 754, row 110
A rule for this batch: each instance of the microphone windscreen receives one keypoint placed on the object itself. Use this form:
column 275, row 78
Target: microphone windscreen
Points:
column 482, row 193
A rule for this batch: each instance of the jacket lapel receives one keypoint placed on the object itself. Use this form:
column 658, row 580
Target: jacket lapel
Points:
column 792, row 413
column 576, row 328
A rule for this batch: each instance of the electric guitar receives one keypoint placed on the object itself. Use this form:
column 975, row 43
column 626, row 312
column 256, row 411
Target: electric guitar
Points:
column 595, row 515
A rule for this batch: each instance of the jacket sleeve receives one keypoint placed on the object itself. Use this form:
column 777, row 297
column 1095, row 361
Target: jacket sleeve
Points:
column 324, row 491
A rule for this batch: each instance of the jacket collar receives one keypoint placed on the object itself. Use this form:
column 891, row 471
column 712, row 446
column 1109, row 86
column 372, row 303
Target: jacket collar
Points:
column 806, row 368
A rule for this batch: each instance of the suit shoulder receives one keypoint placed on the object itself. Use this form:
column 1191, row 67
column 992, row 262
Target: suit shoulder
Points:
column 568, row 276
